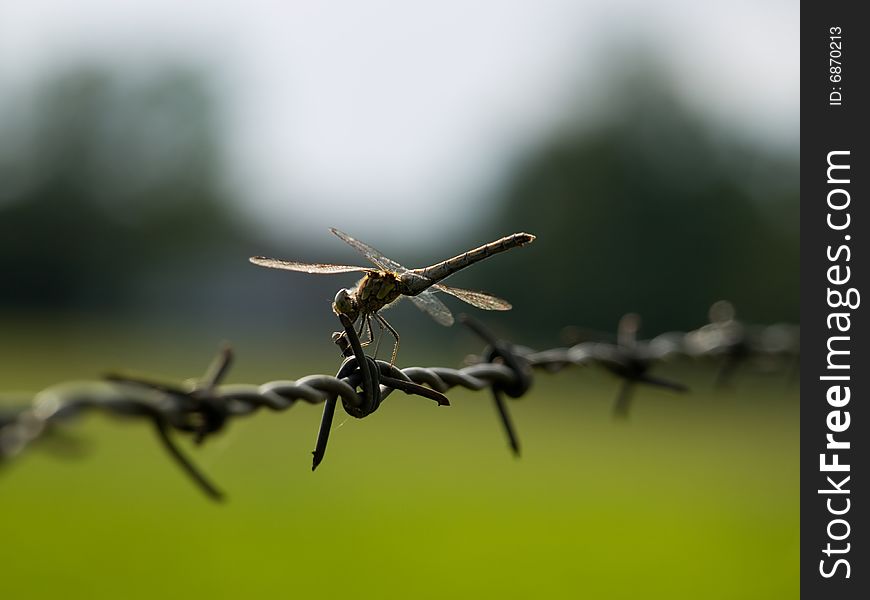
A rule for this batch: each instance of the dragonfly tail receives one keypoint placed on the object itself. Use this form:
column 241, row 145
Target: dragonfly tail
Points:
column 439, row 271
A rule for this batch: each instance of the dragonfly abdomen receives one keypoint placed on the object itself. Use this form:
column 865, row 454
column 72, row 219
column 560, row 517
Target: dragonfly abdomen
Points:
column 445, row 268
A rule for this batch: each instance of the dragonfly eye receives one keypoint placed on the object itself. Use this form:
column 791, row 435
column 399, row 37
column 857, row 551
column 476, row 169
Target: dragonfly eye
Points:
column 344, row 303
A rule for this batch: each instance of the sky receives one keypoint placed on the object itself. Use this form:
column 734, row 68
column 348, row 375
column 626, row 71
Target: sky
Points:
column 366, row 114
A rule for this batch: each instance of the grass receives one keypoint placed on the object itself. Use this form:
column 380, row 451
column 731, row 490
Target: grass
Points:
column 695, row 496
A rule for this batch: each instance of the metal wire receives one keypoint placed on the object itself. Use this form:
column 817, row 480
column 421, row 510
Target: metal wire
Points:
column 204, row 407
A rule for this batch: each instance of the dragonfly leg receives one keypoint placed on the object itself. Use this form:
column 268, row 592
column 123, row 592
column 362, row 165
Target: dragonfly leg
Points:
column 380, row 334
column 395, row 333
column 365, row 325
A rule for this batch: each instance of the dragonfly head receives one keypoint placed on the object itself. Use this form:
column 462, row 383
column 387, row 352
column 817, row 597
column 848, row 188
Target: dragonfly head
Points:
column 345, row 304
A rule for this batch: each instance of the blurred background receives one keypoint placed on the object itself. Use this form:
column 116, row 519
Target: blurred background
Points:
column 147, row 150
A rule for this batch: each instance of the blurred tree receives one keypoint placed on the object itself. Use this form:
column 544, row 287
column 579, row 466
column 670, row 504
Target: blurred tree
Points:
column 649, row 211
column 105, row 177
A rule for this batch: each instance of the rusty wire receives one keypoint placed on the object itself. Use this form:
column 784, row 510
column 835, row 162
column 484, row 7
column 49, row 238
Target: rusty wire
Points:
column 205, row 406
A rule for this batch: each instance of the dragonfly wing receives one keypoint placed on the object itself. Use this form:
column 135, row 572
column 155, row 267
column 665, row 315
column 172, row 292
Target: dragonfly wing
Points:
column 292, row 265
column 478, row 299
column 428, row 303
column 370, row 253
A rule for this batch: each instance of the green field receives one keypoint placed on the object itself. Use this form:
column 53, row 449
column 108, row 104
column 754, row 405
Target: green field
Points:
column 694, row 496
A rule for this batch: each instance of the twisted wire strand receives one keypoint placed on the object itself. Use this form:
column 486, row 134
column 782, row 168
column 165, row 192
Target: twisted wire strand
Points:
column 204, row 407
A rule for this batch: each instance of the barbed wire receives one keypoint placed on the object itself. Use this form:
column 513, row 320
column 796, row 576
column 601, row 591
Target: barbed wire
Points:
column 204, row 407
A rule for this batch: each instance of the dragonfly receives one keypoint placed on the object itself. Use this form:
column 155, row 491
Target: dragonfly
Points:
column 390, row 281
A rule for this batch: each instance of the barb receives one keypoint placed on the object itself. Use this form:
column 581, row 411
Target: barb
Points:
column 500, row 351
column 205, row 406
column 361, row 370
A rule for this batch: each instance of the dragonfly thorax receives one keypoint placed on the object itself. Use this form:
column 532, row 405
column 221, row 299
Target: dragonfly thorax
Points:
column 373, row 292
